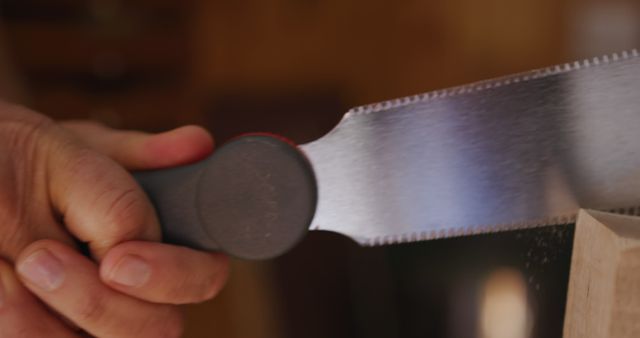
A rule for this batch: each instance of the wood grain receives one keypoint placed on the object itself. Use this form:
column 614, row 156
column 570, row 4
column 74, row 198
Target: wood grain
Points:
column 604, row 287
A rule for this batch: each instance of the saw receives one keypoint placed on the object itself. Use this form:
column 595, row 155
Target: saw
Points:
column 514, row 152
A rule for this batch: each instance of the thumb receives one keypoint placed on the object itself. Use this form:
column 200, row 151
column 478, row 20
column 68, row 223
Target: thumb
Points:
column 139, row 151
column 21, row 314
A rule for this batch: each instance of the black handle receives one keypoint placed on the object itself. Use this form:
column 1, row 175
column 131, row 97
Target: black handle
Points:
column 253, row 198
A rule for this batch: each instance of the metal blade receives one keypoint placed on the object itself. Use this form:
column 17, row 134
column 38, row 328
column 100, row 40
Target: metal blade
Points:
column 514, row 152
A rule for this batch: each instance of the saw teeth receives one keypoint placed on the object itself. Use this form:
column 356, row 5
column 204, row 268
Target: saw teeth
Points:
column 486, row 85
column 462, row 231
column 481, row 229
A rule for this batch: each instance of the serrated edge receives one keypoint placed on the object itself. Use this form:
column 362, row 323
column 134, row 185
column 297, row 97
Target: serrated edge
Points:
column 493, row 83
column 480, row 229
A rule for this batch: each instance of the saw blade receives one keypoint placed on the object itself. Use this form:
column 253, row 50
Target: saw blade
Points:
column 514, row 152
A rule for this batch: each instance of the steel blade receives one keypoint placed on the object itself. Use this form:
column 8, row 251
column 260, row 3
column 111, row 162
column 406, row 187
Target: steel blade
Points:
column 508, row 153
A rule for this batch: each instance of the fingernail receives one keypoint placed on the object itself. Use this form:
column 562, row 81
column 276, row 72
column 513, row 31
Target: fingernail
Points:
column 42, row 269
column 131, row 271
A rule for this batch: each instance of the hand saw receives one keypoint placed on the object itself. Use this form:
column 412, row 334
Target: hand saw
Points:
column 514, row 152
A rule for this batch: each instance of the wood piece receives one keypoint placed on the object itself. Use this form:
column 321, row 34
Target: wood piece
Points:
column 604, row 286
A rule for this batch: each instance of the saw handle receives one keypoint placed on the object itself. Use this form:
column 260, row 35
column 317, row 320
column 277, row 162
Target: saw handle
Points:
column 253, row 198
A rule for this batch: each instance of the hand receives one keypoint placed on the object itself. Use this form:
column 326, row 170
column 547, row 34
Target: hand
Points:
column 64, row 184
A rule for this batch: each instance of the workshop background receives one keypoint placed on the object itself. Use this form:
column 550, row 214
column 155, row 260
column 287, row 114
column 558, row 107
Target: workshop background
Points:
column 293, row 67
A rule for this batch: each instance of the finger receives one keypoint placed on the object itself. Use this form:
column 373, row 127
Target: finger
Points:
column 21, row 314
column 164, row 273
column 100, row 202
column 140, row 151
column 69, row 283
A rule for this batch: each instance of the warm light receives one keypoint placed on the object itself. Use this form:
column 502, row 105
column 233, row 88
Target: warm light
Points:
column 504, row 311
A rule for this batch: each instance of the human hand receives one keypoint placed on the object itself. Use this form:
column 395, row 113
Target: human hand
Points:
column 60, row 185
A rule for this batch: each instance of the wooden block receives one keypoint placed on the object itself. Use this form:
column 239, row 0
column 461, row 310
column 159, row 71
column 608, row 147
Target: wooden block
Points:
column 604, row 286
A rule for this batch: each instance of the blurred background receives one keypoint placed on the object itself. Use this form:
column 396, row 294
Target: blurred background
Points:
column 293, row 67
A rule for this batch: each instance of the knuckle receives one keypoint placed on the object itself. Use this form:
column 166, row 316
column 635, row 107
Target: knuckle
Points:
column 125, row 211
column 117, row 203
